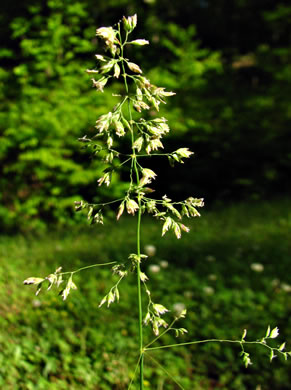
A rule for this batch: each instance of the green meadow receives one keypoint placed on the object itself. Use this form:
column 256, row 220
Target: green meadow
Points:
column 231, row 272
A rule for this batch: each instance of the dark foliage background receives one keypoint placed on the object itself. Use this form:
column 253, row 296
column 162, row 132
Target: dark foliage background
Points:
column 228, row 63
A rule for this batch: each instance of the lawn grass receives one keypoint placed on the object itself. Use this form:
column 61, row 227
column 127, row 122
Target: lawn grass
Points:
column 232, row 271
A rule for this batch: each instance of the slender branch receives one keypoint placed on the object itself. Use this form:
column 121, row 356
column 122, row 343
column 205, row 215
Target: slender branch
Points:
column 105, row 204
column 139, row 298
column 124, row 162
column 154, row 154
column 122, row 103
column 138, row 266
column 210, row 341
column 83, row 268
column 134, row 373
column 163, row 368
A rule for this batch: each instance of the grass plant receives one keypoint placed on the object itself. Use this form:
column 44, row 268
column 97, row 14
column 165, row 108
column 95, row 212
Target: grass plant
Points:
column 135, row 120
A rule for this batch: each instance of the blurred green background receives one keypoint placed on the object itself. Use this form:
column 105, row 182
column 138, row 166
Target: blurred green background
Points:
column 230, row 65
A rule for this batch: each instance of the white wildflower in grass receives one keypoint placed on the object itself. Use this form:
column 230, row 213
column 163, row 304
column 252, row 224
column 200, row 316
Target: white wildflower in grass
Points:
column 257, row 267
column 210, row 258
column 154, row 268
column 286, row 287
column 212, row 277
column 178, row 308
column 208, row 290
column 164, row 264
column 188, row 294
column 150, row 250
column 36, row 303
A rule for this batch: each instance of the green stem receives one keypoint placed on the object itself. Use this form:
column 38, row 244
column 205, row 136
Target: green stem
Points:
column 139, row 298
column 138, row 271
column 210, row 341
column 105, row 204
column 136, row 367
column 134, row 167
column 155, row 154
column 88, row 266
column 138, row 275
